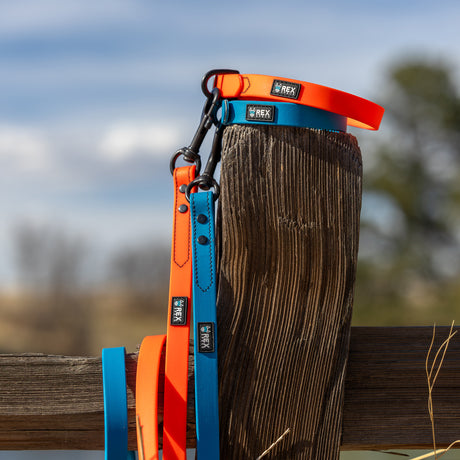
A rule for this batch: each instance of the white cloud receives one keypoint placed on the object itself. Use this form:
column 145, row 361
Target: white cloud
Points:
column 128, row 139
column 24, row 149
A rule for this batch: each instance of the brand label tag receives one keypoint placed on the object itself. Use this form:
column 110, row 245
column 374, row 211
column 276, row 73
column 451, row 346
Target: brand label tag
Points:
column 206, row 337
column 257, row 112
column 179, row 311
column 287, row 89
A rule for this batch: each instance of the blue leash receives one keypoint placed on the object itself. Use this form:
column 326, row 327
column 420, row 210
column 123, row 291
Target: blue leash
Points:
column 280, row 113
column 115, row 405
column 204, row 323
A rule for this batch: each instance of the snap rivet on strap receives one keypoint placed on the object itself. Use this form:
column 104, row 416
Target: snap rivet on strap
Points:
column 183, row 188
column 183, row 208
column 202, row 219
column 202, row 239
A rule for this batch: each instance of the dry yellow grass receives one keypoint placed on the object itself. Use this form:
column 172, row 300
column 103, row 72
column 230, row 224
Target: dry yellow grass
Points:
column 81, row 324
column 432, row 371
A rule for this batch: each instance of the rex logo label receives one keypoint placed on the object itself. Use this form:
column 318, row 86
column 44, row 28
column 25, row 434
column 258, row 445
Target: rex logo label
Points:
column 258, row 112
column 206, row 338
column 179, row 311
column 286, row 89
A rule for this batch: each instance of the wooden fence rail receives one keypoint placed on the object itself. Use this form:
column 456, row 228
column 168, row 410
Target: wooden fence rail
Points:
column 56, row 402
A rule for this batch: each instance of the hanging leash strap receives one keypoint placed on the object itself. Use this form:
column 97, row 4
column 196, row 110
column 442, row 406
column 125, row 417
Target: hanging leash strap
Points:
column 280, row 113
column 360, row 112
column 204, row 323
column 178, row 327
column 115, row 405
column 180, row 294
column 148, row 370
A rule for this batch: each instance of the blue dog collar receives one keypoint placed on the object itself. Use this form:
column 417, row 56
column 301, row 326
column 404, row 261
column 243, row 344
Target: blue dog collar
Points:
column 281, row 114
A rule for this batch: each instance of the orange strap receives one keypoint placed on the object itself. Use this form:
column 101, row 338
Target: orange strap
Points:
column 360, row 112
column 148, row 370
column 178, row 329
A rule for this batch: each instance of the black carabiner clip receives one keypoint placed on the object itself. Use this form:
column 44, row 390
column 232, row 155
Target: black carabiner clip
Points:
column 214, row 158
column 206, row 180
column 208, row 118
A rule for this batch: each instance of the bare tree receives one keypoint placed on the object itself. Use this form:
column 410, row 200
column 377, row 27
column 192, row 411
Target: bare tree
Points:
column 142, row 272
column 50, row 264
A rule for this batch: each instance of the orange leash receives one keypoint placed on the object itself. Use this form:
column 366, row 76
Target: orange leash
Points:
column 360, row 112
column 177, row 345
column 178, row 329
column 148, row 370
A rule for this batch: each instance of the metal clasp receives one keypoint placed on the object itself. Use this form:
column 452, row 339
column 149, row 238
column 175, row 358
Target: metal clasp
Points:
column 206, row 180
column 208, row 117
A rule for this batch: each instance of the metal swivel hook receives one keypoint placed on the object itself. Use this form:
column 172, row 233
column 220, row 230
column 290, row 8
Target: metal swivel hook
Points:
column 206, row 180
column 208, row 118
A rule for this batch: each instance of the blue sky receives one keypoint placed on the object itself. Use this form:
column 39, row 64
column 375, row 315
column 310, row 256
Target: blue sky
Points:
column 96, row 95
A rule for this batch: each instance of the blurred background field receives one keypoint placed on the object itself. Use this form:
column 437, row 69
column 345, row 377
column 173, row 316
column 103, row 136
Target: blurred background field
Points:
column 58, row 309
column 64, row 292
column 95, row 97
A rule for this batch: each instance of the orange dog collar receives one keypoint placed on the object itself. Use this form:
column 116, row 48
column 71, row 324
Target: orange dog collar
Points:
column 360, row 112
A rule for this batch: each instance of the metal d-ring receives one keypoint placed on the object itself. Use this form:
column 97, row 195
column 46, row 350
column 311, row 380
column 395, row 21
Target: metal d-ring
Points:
column 208, row 75
column 196, row 160
column 203, row 183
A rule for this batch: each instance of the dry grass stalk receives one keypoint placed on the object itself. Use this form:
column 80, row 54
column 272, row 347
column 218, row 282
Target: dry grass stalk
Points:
column 264, row 453
column 439, row 451
column 140, row 436
column 432, row 373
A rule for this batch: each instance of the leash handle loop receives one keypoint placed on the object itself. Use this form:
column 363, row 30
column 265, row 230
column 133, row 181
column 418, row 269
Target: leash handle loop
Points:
column 148, row 370
column 115, row 404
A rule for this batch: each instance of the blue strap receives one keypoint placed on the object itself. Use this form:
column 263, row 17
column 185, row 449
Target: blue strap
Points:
column 115, row 404
column 280, row 113
column 204, row 323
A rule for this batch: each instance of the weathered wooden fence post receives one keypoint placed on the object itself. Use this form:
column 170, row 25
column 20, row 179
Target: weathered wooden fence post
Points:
column 289, row 216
